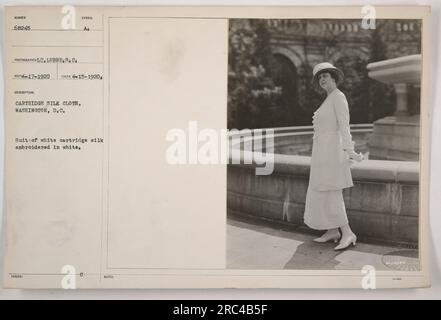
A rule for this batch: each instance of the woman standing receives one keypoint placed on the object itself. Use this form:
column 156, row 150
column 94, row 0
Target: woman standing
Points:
column 332, row 153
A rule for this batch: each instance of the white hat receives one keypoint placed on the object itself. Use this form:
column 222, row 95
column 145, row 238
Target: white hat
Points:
column 326, row 66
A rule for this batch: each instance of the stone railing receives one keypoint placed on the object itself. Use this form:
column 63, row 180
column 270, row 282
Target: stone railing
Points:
column 398, row 137
column 382, row 205
column 298, row 140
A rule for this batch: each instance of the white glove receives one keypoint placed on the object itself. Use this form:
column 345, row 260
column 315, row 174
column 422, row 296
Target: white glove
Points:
column 355, row 156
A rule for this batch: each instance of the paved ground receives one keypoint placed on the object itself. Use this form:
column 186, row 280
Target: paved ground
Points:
column 256, row 245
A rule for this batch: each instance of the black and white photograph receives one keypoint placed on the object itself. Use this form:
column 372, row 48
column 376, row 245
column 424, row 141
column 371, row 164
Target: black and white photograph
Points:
column 339, row 101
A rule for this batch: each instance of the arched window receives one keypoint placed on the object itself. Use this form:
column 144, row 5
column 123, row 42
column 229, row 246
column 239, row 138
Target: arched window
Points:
column 284, row 74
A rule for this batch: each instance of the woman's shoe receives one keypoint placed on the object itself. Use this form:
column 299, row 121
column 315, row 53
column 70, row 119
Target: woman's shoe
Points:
column 346, row 242
column 328, row 236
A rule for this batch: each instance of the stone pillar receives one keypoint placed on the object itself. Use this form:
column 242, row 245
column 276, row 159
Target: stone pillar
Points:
column 397, row 137
column 401, row 93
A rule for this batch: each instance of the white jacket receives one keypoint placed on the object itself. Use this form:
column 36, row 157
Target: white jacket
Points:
column 330, row 166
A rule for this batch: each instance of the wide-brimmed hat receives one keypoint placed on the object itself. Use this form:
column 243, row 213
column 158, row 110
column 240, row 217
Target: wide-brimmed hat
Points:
column 326, row 66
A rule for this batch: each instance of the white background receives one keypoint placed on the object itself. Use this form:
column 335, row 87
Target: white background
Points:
column 435, row 184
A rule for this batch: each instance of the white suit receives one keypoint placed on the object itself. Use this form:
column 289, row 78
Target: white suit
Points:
column 330, row 166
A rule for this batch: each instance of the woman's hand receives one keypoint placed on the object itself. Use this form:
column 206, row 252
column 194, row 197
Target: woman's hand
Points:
column 355, row 156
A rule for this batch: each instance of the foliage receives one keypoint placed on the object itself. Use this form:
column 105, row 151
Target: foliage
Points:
column 252, row 96
column 310, row 97
column 381, row 101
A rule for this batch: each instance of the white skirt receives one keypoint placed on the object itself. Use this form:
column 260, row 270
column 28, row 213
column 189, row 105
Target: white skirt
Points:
column 325, row 210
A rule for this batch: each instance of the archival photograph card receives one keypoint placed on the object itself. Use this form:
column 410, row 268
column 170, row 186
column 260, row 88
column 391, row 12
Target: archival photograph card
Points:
column 217, row 147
